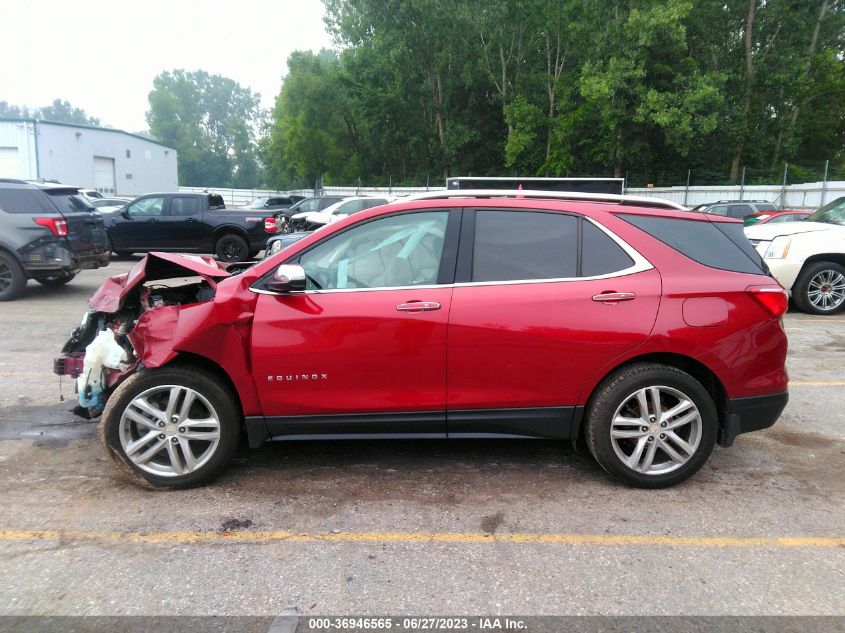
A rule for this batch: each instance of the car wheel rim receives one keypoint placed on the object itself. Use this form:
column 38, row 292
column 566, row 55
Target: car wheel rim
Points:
column 827, row 290
column 656, row 430
column 231, row 250
column 5, row 276
column 169, row 431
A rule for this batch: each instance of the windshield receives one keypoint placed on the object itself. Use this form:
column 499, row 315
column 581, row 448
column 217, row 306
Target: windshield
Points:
column 257, row 203
column 831, row 213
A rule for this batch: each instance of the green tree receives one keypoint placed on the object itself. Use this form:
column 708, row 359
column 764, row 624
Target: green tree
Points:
column 211, row 121
column 59, row 110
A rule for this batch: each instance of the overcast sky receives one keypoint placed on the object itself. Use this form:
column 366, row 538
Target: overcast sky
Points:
column 102, row 56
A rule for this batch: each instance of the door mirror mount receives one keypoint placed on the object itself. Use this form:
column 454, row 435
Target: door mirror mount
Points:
column 287, row 278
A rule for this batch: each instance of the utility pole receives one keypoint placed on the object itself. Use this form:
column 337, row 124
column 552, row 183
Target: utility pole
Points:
column 742, row 184
column 686, row 191
column 783, row 187
column 824, row 182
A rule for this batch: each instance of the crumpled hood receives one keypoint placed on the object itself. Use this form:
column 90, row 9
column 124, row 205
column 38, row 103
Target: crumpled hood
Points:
column 109, row 297
column 768, row 232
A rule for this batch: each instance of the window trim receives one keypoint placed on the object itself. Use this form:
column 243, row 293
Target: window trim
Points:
column 460, row 241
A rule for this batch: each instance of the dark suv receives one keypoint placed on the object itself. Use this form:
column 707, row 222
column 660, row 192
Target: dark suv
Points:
column 48, row 233
column 736, row 208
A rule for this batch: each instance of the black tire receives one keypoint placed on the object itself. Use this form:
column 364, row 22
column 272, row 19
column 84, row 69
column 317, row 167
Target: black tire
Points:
column 252, row 254
column 12, row 277
column 231, row 248
column 220, row 398
column 617, row 390
column 817, row 271
column 56, row 280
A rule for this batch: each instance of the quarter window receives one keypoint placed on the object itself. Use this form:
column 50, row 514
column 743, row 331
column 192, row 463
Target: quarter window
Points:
column 600, row 255
column 523, row 245
column 403, row 250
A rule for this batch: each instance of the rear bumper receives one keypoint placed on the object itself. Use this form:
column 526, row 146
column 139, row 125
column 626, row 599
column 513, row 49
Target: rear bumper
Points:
column 751, row 414
column 48, row 256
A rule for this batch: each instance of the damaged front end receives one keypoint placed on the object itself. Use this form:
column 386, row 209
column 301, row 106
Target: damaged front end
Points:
column 128, row 315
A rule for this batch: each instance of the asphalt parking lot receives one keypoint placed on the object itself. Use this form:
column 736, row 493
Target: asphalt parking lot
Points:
column 471, row 526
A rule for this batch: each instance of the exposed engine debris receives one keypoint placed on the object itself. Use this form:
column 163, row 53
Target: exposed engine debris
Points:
column 118, row 332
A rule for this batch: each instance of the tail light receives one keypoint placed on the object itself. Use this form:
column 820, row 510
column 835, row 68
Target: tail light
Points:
column 57, row 226
column 773, row 299
column 270, row 225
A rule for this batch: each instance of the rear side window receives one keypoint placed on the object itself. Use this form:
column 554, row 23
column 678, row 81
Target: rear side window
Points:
column 68, row 203
column 740, row 210
column 24, row 201
column 511, row 245
column 184, row 206
column 766, row 206
column 600, row 255
column 720, row 245
column 215, row 201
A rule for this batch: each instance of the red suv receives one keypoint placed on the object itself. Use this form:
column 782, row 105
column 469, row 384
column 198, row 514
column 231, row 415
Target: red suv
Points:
column 649, row 331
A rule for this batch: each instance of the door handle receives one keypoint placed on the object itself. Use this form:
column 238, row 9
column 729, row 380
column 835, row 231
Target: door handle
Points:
column 153, row 220
column 613, row 297
column 191, row 220
column 418, row 306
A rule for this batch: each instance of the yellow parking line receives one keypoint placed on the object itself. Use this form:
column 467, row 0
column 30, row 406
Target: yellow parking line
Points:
column 16, row 374
column 788, row 321
column 424, row 537
column 817, row 383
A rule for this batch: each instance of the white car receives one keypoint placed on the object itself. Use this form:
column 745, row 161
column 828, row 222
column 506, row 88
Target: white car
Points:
column 807, row 257
column 335, row 212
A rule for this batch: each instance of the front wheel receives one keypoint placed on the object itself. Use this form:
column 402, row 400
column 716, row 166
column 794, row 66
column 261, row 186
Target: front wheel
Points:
column 820, row 288
column 174, row 427
column 651, row 426
column 231, row 248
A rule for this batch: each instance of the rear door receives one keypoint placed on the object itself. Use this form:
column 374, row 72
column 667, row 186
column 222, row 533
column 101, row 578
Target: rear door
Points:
column 180, row 225
column 544, row 300
column 85, row 229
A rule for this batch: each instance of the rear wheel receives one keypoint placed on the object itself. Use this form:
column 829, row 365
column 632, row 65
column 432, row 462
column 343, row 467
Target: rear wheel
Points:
column 231, row 248
column 173, row 427
column 12, row 277
column 820, row 288
column 55, row 280
column 651, row 426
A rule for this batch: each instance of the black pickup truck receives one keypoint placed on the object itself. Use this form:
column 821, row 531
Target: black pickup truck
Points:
column 189, row 223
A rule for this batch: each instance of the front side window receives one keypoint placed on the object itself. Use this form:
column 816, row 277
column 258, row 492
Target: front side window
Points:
column 524, row 245
column 402, row 250
column 258, row 203
column 147, row 206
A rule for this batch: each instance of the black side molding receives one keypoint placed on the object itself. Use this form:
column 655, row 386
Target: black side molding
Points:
column 751, row 414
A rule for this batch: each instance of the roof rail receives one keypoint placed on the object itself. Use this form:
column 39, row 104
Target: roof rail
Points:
column 640, row 201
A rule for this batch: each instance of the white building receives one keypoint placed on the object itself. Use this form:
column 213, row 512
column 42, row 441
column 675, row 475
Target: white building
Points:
column 113, row 162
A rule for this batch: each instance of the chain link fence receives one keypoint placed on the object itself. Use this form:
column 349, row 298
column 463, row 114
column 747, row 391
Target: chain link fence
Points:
column 789, row 186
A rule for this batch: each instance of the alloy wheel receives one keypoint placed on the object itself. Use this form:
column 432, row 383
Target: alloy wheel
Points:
column 169, row 431
column 656, row 430
column 5, row 276
column 826, row 290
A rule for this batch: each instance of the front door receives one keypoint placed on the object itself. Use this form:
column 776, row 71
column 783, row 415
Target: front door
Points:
column 141, row 227
column 363, row 348
column 531, row 324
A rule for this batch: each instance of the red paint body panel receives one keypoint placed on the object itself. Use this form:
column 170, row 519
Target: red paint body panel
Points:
column 488, row 346
column 375, row 358
column 705, row 311
column 109, row 297
column 537, row 344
